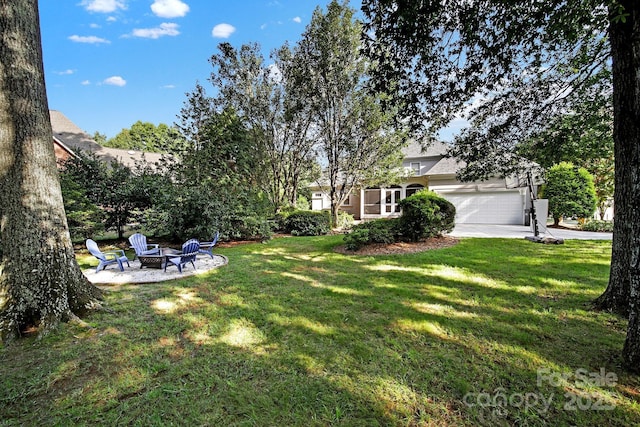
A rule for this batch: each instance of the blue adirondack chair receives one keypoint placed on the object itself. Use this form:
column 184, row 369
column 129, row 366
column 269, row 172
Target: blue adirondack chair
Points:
column 139, row 244
column 189, row 251
column 107, row 258
column 207, row 247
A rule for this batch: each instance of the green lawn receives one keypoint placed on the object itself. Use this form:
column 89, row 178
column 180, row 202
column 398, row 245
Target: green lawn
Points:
column 291, row 333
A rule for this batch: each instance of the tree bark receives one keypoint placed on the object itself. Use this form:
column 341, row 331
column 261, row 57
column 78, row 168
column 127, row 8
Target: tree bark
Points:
column 625, row 49
column 40, row 280
column 624, row 39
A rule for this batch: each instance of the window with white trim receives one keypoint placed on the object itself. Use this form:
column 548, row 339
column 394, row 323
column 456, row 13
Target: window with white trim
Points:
column 415, row 168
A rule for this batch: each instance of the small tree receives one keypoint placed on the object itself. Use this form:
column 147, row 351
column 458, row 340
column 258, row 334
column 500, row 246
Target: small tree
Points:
column 570, row 191
column 214, row 186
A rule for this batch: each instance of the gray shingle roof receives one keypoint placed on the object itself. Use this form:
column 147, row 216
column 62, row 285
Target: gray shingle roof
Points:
column 415, row 149
column 446, row 166
column 77, row 140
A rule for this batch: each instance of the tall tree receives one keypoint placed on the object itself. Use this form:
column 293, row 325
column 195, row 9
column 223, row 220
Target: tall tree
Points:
column 530, row 61
column 355, row 132
column 194, row 116
column 40, row 280
column 265, row 97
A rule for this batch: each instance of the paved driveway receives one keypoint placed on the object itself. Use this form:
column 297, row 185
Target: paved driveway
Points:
column 521, row 231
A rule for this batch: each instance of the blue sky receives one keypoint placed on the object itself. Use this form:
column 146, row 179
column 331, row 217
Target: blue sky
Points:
column 110, row 63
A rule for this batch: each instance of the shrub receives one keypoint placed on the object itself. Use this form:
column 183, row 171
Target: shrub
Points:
column 357, row 239
column 303, row 203
column 425, row 214
column 345, row 220
column 376, row 231
column 596, row 225
column 307, row 223
column 251, row 228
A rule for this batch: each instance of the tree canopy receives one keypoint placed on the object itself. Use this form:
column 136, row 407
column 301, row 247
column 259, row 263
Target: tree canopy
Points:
column 145, row 136
column 506, row 67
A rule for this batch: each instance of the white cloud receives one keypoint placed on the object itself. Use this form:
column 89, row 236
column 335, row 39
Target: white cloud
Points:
column 88, row 39
column 65, row 72
column 165, row 29
column 115, row 81
column 103, row 6
column 169, row 87
column 85, row 83
column 297, row 19
column 169, row 8
column 223, row 31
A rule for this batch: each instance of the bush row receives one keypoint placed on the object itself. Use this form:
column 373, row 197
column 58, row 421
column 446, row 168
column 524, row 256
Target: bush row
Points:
column 597, row 225
column 424, row 215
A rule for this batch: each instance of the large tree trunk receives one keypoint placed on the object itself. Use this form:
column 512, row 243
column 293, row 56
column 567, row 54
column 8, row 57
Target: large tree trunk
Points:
column 40, row 280
column 625, row 48
column 624, row 38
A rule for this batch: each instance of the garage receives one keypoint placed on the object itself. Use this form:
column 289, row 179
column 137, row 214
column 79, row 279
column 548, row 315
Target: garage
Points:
column 488, row 208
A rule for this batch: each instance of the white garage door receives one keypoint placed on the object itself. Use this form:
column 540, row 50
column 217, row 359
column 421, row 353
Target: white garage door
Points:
column 488, row 208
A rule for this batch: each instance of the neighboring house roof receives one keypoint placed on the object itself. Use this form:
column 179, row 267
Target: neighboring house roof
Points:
column 74, row 139
column 415, row 150
column 69, row 152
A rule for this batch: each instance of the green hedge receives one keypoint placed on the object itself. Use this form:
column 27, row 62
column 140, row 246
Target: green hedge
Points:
column 307, row 223
column 376, row 231
column 597, row 225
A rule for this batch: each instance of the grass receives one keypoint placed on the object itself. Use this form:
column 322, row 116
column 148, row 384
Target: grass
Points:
column 291, row 333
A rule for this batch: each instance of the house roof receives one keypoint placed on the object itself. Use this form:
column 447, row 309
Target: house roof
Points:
column 446, row 166
column 415, row 149
column 72, row 137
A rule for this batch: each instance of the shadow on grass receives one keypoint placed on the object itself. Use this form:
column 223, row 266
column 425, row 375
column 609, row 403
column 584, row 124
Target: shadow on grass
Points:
column 291, row 333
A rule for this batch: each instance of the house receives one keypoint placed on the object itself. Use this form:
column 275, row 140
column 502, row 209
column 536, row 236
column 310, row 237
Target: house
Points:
column 496, row 201
column 69, row 139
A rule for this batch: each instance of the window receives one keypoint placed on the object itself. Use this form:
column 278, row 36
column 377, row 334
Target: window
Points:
column 372, row 201
column 413, row 189
column 347, row 201
column 415, row 168
column 392, row 197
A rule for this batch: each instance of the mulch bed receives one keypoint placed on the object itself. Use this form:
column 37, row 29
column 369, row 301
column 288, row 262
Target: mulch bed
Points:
column 401, row 247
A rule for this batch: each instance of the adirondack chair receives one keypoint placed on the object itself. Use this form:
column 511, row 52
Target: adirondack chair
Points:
column 107, row 258
column 139, row 244
column 189, row 251
column 207, row 247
